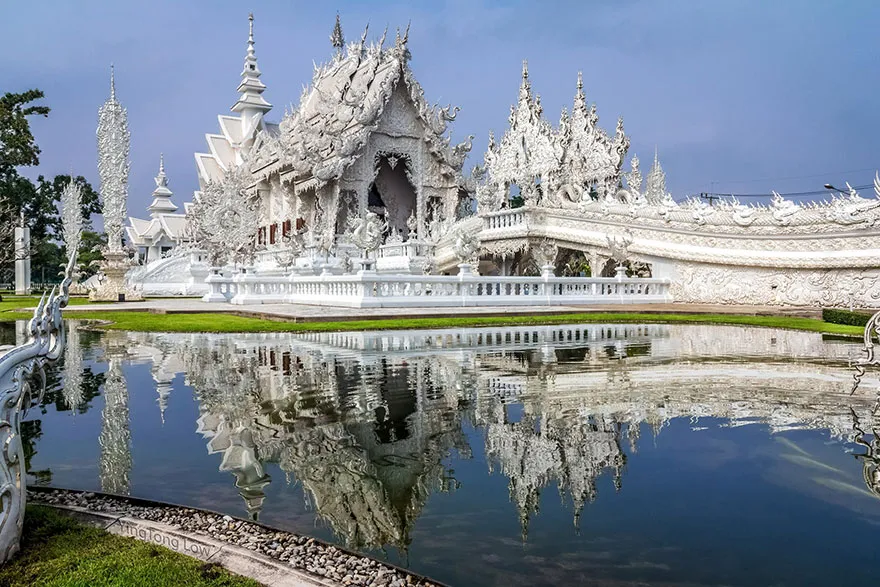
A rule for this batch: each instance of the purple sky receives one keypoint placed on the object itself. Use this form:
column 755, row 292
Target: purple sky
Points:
column 739, row 96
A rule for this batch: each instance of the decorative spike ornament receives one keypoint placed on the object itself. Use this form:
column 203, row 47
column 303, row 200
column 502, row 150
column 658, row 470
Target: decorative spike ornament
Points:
column 114, row 142
column 71, row 217
column 336, row 37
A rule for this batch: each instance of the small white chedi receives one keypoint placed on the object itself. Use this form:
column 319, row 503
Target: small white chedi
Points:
column 364, row 140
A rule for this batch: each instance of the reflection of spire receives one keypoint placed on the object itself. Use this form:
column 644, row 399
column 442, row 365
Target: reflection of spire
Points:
column 72, row 379
column 240, row 458
column 164, row 391
column 115, row 437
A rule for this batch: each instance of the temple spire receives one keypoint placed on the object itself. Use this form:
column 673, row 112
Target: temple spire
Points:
column 655, row 188
column 251, row 104
column 112, row 84
column 161, row 195
column 336, row 37
column 525, row 88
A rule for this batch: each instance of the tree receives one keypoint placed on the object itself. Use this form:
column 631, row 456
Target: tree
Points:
column 89, row 252
column 17, row 148
column 17, row 145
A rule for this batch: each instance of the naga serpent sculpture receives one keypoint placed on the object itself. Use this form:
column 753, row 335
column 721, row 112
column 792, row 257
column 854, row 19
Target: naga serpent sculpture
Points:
column 22, row 384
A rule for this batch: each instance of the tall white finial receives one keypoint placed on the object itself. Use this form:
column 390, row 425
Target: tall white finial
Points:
column 251, row 88
column 112, row 84
column 162, row 163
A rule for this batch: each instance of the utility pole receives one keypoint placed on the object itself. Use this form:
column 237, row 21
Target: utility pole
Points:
column 710, row 197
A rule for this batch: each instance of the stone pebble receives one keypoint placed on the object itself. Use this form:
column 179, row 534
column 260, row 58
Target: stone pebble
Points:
column 301, row 552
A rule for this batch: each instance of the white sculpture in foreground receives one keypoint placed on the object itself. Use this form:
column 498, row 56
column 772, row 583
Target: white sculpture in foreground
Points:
column 364, row 140
column 113, row 166
column 22, row 384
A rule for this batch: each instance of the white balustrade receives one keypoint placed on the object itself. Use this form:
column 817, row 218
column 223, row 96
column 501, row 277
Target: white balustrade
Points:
column 504, row 219
column 368, row 289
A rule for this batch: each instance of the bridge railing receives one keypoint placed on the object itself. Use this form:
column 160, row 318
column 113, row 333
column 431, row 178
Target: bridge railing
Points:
column 368, row 289
column 504, row 219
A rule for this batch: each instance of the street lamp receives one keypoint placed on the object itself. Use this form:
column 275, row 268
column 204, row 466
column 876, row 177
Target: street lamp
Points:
column 848, row 191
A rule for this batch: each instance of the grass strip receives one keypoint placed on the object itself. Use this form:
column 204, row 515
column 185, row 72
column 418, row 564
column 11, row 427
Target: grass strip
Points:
column 19, row 302
column 58, row 551
column 218, row 322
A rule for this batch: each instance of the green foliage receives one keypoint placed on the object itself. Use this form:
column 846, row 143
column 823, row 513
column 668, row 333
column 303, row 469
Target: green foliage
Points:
column 17, row 145
column 39, row 202
column 845, row 317
column 58, row 551
column 90, row 251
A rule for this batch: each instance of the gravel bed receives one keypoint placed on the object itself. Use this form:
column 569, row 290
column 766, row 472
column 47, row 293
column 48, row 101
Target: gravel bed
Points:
column 301, row 552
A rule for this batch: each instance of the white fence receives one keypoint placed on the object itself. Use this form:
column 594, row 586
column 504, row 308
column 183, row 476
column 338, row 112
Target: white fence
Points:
column 375, row 290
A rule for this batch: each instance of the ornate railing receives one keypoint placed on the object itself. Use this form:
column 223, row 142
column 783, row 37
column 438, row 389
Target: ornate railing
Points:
column 370, row 289
column 22, row 384
column 504, row 218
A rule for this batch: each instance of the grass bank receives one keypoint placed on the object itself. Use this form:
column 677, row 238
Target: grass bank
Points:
column 57, row 551
column 13, row 302
column 216, row 322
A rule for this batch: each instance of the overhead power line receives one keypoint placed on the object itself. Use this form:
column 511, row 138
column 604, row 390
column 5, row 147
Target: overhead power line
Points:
column 767, row 195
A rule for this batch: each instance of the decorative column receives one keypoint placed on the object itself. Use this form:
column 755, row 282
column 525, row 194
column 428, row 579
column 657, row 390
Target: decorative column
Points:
column 113, row 165
column 22, row 259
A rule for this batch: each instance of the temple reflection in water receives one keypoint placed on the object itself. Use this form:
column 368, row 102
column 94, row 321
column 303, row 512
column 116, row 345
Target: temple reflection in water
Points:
column 365, row 421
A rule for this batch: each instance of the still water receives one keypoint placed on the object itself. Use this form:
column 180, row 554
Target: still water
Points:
column 564, row 455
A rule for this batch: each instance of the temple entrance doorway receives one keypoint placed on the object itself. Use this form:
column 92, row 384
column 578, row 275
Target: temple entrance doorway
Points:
column 391, row 195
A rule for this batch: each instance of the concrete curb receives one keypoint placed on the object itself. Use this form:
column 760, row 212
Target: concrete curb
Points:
column 236, row 559
column 108, row 521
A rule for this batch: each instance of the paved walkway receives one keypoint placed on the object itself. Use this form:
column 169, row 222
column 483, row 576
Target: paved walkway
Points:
column 304, row 313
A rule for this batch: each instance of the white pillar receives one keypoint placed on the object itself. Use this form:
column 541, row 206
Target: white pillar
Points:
column 22, row 260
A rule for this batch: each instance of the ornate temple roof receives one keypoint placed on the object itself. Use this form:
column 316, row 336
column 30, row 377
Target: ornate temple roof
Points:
column 343, row 106
column 566, row 161
column 237, row 133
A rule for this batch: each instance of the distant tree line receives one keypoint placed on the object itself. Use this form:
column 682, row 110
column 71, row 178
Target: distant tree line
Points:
column 37, row 202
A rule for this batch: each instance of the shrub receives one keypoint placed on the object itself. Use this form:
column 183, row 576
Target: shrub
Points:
column 845, row 317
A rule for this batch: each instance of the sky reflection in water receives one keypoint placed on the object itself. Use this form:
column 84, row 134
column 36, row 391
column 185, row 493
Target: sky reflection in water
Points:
column 592, row 454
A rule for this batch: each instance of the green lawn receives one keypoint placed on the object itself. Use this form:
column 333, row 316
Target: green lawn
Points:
column 219, row 322
column 13, row 302
column 57, row 551
column 215, row 322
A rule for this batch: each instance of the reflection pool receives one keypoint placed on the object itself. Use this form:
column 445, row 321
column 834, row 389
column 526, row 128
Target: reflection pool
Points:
column 554, row 455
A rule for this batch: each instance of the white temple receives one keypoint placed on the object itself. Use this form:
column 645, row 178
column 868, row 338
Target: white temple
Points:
column 362, row 174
